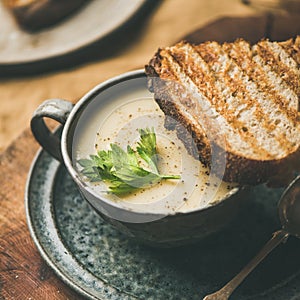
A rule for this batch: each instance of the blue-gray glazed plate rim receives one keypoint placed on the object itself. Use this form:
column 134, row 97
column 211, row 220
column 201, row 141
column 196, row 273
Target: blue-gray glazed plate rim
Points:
column 51, row 244
column 36, row 238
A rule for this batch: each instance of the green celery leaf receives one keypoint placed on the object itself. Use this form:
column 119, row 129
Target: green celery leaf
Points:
column 147, row 148
column 86, row 163
column 137, row 176
column 121, row 169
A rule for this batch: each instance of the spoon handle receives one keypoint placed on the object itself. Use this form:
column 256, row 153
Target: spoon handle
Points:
column 225, row 292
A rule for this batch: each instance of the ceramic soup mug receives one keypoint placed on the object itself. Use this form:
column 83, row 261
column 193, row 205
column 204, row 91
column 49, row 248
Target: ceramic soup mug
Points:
column 169, row 213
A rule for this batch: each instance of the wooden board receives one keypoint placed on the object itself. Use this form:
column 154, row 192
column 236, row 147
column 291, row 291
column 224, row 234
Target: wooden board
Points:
column 252, row 29
column 23, row 274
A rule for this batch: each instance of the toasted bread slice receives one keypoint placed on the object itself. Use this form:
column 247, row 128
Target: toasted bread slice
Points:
column 239, row 104
column 33, row 15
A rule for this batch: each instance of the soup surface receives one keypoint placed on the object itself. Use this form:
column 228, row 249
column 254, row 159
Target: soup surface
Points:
column 115, row 116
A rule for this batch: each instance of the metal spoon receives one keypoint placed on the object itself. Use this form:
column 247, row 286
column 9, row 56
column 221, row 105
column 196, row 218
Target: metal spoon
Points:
column 289, row 214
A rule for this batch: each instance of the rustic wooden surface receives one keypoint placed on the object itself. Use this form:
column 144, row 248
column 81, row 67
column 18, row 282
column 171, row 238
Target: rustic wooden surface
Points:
column 23, row 273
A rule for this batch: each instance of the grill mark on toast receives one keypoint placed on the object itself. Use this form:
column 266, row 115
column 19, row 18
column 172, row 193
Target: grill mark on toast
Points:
column 205, row 110
column 257, row 75
column 184, row 54
column 283, row 56
column 272, row 59
column 288, row 61
column 214, row 132
column 239, row 167
column 233, row 77
column 176, row 106
column 288, row 97
column 164, row 70
column 174, row 86
column 292, row 48
column 286, row 136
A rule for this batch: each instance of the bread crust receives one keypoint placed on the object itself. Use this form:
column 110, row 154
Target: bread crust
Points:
column 238, row 168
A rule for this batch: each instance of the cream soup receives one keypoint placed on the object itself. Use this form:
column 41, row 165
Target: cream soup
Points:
column 116, row 119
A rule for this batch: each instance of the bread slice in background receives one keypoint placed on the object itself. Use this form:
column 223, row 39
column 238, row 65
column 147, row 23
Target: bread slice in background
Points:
column 33, row 15
column 235, row 100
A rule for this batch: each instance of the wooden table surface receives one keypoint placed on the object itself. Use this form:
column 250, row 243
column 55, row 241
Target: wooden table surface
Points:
column 23, row 273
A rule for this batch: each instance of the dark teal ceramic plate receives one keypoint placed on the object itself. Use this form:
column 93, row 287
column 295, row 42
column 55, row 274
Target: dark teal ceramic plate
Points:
column 100, row 263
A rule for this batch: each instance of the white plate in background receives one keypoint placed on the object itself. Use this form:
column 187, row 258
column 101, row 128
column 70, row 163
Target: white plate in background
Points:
column 91, row 23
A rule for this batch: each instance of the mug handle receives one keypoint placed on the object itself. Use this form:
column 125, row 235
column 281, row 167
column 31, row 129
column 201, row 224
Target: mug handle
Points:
column 58, row 110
